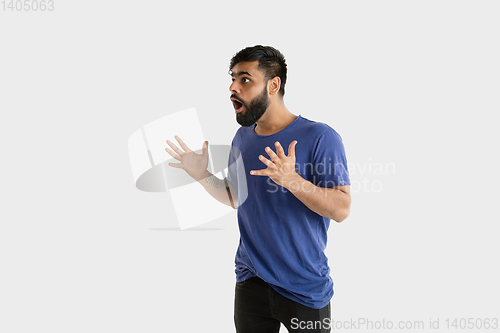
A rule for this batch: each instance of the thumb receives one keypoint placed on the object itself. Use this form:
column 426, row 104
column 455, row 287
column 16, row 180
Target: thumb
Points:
column 205, row 148
column 291, row 148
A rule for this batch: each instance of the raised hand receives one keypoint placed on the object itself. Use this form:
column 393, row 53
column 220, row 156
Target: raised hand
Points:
column 281, row 168
column 194, row 164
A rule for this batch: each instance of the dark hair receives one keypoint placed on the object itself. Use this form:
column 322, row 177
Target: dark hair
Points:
column 271, row 62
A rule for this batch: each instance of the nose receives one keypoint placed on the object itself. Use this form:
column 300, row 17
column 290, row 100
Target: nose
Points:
column 234, row 88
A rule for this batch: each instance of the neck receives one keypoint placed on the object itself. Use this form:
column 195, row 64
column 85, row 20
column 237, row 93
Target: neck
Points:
column 276, row 118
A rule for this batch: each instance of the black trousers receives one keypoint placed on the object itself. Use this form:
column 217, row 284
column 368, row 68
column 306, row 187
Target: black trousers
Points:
column 258, row 308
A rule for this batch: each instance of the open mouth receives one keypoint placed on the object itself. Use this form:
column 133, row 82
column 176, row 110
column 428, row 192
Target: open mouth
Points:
column 238, row 106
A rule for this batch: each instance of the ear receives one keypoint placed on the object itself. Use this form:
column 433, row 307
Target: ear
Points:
column 274, row 85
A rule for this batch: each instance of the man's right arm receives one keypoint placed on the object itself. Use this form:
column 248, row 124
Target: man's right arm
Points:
column 220, row 189
column 196, row 167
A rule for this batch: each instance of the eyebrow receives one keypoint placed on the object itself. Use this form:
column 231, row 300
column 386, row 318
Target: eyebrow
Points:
column 239, row 74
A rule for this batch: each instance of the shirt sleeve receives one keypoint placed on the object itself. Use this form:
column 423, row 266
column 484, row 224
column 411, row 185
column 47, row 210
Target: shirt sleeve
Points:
column 329, row 160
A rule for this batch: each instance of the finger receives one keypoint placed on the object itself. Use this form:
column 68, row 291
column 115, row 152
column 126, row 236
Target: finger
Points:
column 176, row 165
column 267, row 162
column 262, row 172
column 291, row 149
column 182, row 144
column 279, row 150
column 174, row 148
column 173, row 154
column 272, row 154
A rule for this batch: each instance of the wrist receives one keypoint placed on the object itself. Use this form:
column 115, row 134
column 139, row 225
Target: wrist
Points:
column 294, row 183
column 203, row 176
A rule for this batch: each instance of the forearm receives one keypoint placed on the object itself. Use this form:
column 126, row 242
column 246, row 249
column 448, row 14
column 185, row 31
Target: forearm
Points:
column 219, row 189
column 328, row 202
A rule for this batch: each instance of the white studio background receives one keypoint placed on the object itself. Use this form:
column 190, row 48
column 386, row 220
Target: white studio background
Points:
column 412, row 87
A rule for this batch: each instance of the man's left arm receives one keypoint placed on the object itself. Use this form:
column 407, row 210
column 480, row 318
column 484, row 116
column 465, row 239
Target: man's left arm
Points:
column 330, row 202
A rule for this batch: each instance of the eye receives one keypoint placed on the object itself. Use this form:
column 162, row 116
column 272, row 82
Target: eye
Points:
column 245, row 80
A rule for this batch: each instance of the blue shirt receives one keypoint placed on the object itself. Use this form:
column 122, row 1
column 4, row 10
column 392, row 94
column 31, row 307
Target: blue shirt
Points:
column 282, row 241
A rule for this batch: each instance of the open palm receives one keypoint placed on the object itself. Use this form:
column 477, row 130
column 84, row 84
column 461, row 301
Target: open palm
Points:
column 194, row 164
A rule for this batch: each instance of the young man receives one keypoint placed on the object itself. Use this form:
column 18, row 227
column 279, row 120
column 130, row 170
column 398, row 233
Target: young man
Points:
column 295, row 178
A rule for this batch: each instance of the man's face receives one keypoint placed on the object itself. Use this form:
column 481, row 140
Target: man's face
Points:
column 248, row 92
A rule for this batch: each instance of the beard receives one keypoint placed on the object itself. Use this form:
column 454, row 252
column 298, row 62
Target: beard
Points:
column 254, row 111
